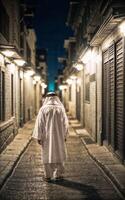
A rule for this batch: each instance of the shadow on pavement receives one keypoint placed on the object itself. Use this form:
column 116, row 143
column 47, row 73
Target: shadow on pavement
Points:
column 88, row 191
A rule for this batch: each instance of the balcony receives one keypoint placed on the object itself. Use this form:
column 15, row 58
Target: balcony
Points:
column 102, row 22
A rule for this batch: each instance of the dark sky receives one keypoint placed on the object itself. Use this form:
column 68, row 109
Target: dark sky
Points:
column 50, row 20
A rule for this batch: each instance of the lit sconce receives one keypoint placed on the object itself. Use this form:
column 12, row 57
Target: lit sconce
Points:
column 78, row 66
column 1, row 59
column 73, row 77
column 37, row 78
column 78, row 81
column 122, row 28
column 8, row 53
column 34, row 82
column 11, row 67
column 91, row 56
column 63, row 87
column 20, row 62
column 29, row 73
column 43, row 85
column 86, row 57
column 69, row 81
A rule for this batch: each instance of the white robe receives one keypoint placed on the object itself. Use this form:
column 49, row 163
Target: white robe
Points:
column 51, row 128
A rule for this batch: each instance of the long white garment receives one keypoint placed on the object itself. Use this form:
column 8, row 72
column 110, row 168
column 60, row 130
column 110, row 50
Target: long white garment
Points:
column 51, row 128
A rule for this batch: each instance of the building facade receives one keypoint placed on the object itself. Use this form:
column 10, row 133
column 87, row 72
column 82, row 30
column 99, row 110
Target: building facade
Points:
column 19, row 84
column 98, row 68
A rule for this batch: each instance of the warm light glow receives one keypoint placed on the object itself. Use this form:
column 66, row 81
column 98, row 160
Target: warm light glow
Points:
column 86, row 57
column 8, row 53
column 37, row 78
column 11, row 68
column 122, row 28
column 19, row 62
column 78, row 66
column 29, row 72
column 91, row 56
column 73, row 77
column 69, row 81
column 43, row 85
column 34, row 82
column 63, row 87
column 1, row 60
column 78, row 81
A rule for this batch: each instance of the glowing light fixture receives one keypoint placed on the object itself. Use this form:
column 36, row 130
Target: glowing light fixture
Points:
column 43, row 85
column 69, row 81
column 78, row 81
column 29, row 72
column 37, row 78
column 122, row 28
column 73, row 77
column 86, row 57
column 20, row 62
column 79, row 66
column 8, row 53
column 1, row 60
column 12, row 67
column 34, row 82
column 63, row 87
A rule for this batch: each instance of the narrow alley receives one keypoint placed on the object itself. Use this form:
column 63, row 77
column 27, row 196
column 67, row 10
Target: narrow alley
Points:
column 62, row 70
column 83, row 178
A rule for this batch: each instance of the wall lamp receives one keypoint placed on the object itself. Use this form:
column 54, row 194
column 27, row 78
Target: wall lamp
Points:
column 12, row 53
column 78, row 66
column 37, row 78
column 43, row 85
column 63, row 87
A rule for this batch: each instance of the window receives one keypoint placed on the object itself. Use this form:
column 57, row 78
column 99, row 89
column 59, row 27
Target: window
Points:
column 4, row 22
column 87, row 87
column 2, row 96
column 12, row 87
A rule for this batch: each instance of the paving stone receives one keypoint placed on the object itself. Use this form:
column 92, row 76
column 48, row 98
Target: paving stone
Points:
column 82, row 178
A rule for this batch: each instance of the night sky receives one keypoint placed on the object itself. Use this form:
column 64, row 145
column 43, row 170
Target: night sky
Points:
column 51, row 30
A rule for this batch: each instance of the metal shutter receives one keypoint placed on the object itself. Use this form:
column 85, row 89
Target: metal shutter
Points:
column 111, row 94
column 105, row 96
column 119, row 97
column 108, row 94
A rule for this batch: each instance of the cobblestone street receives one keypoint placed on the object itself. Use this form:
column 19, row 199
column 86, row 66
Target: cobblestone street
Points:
column 83, row 179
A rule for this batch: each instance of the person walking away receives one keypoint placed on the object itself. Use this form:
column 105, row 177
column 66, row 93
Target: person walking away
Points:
column 51, row 130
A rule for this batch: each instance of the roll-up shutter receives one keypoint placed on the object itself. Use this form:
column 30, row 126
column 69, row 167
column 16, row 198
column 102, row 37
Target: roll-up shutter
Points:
column 113, row 97
column 111, row 94
column 119, row 139
column 108, row 94
column 105, row 96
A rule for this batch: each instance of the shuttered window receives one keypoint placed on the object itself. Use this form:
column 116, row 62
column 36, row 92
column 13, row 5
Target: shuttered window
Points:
column 108, row 94
column 119, row 97
column 113, row 96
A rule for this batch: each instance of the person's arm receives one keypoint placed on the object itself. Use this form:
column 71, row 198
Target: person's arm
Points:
column 66, row 124
column 38, row 130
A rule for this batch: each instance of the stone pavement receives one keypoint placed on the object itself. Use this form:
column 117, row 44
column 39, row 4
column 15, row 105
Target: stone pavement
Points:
column 83, row 178
column 105, row 159
column 10, row 156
